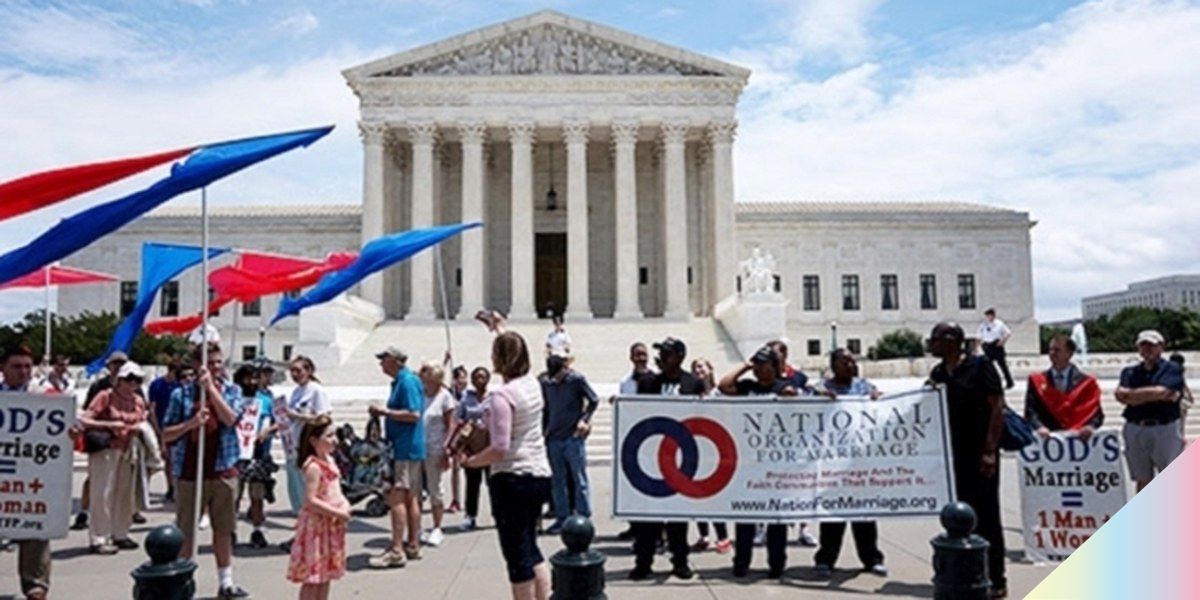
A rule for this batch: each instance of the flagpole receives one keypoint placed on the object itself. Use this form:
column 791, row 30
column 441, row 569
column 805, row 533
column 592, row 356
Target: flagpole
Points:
column 203, row 400
column 441, row 275
column 237, row 308
column 46, row 348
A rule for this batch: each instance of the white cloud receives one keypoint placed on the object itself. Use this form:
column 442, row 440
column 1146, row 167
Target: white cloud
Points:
column 1089, row 122
column 831, row 29
column 58, row 38
column 299, row 24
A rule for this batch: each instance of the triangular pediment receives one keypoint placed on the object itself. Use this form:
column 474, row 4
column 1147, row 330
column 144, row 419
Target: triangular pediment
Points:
column 546, row 43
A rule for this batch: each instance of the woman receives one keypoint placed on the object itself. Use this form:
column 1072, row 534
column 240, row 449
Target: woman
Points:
column 520, row 482
column 459, row 384
column 307, row 402
column 471, row 410
column 846, row 382
column 439, row 410
column 703, row 370
column 118, row 412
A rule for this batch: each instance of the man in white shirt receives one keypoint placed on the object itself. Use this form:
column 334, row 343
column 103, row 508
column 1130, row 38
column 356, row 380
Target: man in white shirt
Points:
column 993, row 335
column 558, row 341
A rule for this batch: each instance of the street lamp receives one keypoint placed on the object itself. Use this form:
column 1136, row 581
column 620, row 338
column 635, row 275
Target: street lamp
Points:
column 833, row 336
column 262, row 341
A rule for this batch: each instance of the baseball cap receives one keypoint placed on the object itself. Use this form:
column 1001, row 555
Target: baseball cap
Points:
column 131, row 370
column 117, row 356
column 393, row 352
column 765, row 355
column 1150, row 336
column 672, row 345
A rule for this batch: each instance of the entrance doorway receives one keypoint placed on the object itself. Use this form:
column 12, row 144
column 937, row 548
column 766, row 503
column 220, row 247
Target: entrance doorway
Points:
column 550, row 273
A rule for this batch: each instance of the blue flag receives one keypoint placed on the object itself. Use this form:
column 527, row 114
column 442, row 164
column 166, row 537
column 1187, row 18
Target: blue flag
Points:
column 202, row 167
column 160, row 263
column 377, row 255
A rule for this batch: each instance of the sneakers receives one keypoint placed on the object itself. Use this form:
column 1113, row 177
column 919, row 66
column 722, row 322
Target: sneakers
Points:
column 639, row 573
column 823, row 571
column 287, row 546
column 701, row 545
column 740, row 572
column 258, row 540
column 468, row 524
column 723, row 546
column 435, row 537
column 390, row 559
column 232, row 592
column 806, row 539
column 775, row 573
column 413, row 553
column 125, row 544
column 683, row 572
column 139, row 518
column 878, row 569
column 81, row 521
column 103, row 549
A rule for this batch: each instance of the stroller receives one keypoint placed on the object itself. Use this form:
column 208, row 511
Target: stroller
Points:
column 366, row 467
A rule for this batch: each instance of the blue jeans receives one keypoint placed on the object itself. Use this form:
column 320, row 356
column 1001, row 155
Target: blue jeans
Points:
column 568, row 468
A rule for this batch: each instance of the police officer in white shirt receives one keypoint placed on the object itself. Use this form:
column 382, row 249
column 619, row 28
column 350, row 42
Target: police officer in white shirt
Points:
column 993, row 335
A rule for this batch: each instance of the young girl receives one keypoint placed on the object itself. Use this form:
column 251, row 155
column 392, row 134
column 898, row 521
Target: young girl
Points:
column 319, row 548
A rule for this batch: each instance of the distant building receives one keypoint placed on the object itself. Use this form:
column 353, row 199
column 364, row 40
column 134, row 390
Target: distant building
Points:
column 1175, row 291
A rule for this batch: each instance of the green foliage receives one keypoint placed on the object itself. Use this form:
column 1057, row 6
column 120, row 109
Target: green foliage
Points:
column 1117, row 333
column 84, row 337
column 902, row 343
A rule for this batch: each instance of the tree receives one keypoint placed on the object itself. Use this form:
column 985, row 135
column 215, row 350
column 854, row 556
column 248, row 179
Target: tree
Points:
column 902, row 343
column 84, row 337
column 1116, row 333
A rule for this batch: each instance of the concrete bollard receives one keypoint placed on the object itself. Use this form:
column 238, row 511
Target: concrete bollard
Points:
column 959, row 557
column 166, row 576
column 578, row 573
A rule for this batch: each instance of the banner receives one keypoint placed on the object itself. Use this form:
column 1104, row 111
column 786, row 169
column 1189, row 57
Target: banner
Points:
column 1069, row 488
column 36, row 456
column 781, row 459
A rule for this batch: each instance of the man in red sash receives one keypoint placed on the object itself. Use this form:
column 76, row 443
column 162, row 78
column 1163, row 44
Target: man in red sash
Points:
column 1063, row 398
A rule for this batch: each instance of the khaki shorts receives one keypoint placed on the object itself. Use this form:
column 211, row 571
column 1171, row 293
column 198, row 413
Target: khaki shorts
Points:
column 406, row 475
column 1151, row 448
column 219, row 503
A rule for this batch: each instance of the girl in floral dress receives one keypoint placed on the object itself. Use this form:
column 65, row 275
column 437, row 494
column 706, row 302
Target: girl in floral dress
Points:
column 319, row 549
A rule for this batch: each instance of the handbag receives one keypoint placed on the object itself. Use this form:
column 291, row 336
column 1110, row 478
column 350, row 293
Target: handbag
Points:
column 1017, row 433
column 472, row 438
column 95, row 440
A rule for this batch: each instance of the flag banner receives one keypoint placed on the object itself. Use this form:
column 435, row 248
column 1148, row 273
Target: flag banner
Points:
column 36, row 458
column 376, row 255
column 39, row 190
column 160, row 264
column 258, row 274
column 185, row 324
column 1069, row 488
column 58, row 275
column 771, row 459
column 201, row 168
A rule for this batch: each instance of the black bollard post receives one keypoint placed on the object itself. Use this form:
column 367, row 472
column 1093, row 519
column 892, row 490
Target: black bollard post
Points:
column 166, row 576
column 578, row 572
column 960, row 557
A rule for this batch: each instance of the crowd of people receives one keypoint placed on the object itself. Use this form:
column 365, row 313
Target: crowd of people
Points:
column 525, row 436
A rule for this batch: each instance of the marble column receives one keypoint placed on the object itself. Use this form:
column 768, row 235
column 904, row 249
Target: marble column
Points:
column 578, row 297
column 521, row 141
column 625, row 134
column 472, row 134
column 422, row 135
column 373, row 135
column 723, row 277
column 675, row 219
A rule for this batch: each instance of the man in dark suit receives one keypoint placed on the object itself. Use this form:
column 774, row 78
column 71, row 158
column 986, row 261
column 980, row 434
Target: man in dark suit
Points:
column 1063, row 398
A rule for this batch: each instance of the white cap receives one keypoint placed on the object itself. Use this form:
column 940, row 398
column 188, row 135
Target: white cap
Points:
column 197, row 337
column 1150, row 336
column 131, row 369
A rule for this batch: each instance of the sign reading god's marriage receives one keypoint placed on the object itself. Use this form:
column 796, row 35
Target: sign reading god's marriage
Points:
column 781, row 459
column 35, row 465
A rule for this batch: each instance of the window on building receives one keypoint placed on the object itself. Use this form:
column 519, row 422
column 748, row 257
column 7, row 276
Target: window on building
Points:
column 287, row 352
column 889, row 292
column 168, row 302
column 458, row 277
column 643, row 275
column 854, row 346
column 966, row 291
column 129, row 291
column 850, row 296
column 778, row 283
column 928, row 292
column 814, row 347
column 812, row 292
column 249, row 353
column 689, row 276
column 252, row 309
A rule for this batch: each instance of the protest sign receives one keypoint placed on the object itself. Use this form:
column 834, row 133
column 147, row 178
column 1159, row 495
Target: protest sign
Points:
column 782, row 459
column 35, row 465
column 1069, row 488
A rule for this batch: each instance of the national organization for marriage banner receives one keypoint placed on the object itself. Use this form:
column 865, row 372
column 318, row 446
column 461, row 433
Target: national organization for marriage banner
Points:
column 1069, row 488
column 781, row 459
column 35, row 465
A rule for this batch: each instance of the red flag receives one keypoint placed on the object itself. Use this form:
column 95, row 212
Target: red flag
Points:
column 40, row 190
column 57, row 276
column 187, row 324
column 256, row 275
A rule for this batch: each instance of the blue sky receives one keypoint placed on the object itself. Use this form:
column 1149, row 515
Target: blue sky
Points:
column 1083, row 114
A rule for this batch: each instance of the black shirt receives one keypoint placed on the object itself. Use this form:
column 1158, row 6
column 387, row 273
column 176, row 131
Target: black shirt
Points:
column 752, row 387
column 1166, row 374
column 967, row 391
column 658, row 384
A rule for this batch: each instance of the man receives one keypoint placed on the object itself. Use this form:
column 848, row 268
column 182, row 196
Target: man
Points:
column 59, row 378
column 1150, row 392
column 159, row 397
column 405, row 431
column 215, row 416
column 671, row 380
column 766, row 382
column 558, row 341
column 1063, row 398
column 115, row 361
column 975, row 401
column 993, row 335
column 639, row 357
column 566, row 422
column 33, row 556
column 255, row 466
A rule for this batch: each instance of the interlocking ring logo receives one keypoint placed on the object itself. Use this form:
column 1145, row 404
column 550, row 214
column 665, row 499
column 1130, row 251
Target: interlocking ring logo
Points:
column 679, row 478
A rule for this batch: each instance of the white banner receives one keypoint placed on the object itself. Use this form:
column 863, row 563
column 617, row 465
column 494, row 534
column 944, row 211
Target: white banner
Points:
column 1069, row 488
column 35, row 465
column 784, row 459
